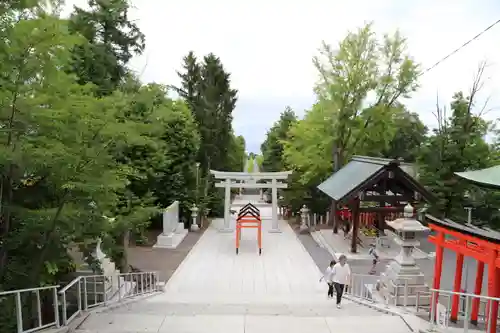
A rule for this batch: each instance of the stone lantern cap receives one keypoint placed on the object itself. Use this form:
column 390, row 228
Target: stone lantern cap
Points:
column 407, row 225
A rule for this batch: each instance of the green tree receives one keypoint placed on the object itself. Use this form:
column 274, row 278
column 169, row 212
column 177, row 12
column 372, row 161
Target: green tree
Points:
column 457, row 145
column 237, row 155
column 410, row 134
column 345, row 121
column 259, row 159
column 163, row 151
column 111, row 41
column 272, row 147
column 56, row 162
column 363, row 65
column 250, row 165
column 206, row 88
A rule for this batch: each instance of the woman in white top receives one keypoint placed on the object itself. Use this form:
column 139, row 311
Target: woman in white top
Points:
column 341, row 277
column 328, row 276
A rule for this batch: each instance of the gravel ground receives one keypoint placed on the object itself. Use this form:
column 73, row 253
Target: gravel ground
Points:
column 165, row 261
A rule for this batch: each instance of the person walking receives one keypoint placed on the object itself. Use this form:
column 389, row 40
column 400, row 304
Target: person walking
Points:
column 327, row 276
column 375, row 258
column 341, row 277
column 346, row 226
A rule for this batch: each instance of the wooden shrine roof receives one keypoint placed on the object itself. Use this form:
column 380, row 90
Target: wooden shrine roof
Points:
column 357, row 175
column 481, row 232
column 489, row 177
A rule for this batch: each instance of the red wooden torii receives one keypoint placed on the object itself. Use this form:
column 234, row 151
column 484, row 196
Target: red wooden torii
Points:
column 470, row 241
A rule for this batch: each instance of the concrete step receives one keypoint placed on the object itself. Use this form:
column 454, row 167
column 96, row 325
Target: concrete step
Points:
column 145, row 322
column 319, row 309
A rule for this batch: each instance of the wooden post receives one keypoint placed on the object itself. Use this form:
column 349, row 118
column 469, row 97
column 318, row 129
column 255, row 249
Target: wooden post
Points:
column 334, row 217
column 477, row 291
column 456, row 287
column 493, row 292
column 355, row 225
column 438, row 267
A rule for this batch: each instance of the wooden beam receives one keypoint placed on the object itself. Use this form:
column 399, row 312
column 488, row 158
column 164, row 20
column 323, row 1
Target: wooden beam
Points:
column 381, row 209
column 250, row 175
column 248, row 185
column 455, row 247
column 387, row 198
column 462, row 236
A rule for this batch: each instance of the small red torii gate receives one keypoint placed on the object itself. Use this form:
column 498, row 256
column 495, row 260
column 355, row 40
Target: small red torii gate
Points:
column 473, row 245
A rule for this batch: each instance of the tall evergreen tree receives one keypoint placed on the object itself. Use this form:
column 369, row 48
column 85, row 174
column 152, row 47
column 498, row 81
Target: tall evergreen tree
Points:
column 272, row 147
column 112, row 40
column 206, row 88
column 457, row 144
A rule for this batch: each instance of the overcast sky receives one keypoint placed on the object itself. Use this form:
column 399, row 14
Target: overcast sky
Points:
column 267, row 46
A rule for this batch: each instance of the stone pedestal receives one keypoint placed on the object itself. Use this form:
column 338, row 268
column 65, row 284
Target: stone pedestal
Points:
column 170, row 241
column 173, row 231
column 397, row 278
column 403, row 279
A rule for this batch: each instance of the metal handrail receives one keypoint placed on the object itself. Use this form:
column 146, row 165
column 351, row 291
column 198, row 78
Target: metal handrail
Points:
column 19, row 307
column 357, row 286
column 91, row 291
column 145, row 282
column 75, row 280
column 435, row 320
column 465, row 300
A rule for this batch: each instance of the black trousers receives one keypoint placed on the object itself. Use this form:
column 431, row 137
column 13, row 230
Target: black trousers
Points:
column 330, row 289
column 339, row 289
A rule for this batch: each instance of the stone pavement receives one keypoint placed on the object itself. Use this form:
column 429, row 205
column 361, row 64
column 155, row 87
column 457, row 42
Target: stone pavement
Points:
column 215, row 290
column 335, row 243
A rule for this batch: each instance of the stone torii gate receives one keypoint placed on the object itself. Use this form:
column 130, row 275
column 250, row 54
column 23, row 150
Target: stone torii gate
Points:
column 249, row 180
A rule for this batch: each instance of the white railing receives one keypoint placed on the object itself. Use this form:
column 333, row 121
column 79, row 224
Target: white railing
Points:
column 96, row 290
column 171, row 218
column 24, row 294
column 363, row 287
column 441, row 318
column 81, row 294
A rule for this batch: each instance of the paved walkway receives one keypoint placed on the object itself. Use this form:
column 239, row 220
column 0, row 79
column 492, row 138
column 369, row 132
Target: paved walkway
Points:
column 335, row 243
column 215, row 290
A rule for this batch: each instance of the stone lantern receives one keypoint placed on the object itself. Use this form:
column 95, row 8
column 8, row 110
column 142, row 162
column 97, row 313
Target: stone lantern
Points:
column 403, row 278
column 194, row 215
column 280, row 207
column 304, row 214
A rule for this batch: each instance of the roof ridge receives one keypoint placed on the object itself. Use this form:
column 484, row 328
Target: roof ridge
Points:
column 380, row 160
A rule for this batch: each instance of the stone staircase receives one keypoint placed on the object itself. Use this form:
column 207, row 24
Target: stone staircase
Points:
column 157, row 314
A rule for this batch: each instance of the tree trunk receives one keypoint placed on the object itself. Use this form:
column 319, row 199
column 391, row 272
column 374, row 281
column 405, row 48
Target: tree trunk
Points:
column 125, row 267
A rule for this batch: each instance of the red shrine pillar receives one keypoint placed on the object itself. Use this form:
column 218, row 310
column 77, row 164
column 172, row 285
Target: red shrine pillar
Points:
column 477, row 291
column 493, row 281
column 457, row 287
column 438, row 267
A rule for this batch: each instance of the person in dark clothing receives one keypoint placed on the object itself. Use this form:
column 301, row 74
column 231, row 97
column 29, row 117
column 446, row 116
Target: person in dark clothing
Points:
column 346, row 226
column 328, row 276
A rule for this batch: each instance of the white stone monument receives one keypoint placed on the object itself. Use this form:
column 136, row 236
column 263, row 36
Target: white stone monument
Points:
column 174, row 231
column 403, row 278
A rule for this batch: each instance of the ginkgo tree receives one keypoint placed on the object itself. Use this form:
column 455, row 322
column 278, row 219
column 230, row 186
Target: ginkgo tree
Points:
column 360, row 88
column 360, row 85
